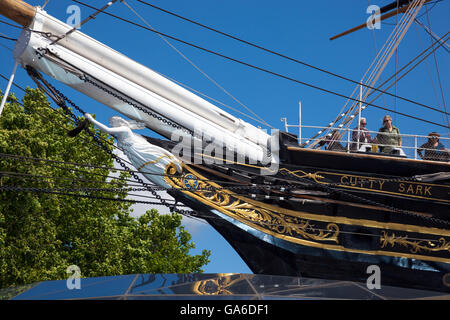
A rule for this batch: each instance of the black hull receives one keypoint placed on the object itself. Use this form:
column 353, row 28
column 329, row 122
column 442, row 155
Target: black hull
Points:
column 330, row 215
column 266, row 258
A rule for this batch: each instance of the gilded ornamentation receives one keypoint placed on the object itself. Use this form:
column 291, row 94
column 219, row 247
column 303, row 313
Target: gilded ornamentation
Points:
column 218, row 286
column 415, row 246
column 305, row 228
column 315, row 176
column 251, row 214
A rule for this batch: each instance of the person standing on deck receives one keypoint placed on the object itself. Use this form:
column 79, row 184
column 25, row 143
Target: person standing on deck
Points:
column 360, row 135
column 388, row 136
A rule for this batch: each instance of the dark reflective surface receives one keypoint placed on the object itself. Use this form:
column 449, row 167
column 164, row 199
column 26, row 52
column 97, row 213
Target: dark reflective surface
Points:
column 210, row 287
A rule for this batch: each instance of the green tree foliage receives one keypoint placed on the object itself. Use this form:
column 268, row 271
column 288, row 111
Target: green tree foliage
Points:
column 41, row 234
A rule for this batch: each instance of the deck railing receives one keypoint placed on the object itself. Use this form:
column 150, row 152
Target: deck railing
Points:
column 413, row 146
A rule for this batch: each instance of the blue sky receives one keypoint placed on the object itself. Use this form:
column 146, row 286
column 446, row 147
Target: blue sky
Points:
column 298, row 29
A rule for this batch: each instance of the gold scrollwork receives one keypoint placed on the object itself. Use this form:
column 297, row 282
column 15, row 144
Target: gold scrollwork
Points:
column 315, row 176
column 218, row 286
column 249, row 213
column 302, row 227
column 415, row 246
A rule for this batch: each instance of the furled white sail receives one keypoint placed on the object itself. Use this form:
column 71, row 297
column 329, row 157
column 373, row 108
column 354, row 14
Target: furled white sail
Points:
column 79, row 54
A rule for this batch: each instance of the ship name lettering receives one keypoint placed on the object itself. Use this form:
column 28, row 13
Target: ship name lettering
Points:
column 414, row 189
column 362, row 182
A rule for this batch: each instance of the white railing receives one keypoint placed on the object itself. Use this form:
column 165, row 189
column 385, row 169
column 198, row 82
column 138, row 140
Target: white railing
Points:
column 412, row 145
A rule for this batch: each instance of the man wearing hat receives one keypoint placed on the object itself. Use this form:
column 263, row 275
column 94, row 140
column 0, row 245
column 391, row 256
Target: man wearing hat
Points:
column 434, row 150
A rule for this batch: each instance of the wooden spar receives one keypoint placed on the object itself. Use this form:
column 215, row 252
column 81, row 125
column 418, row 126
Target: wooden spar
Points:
column 383, row 17
column 18, row 11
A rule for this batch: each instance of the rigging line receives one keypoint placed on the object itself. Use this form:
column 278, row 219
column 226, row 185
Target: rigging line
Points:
column 194, row 214
column 52, row 191
column 265, row 49
column 70, row 169
column 417, row 57
column 89, row 165
column 208, row 97
column 437, row 68
column 4, row 36
column 15, row 188
column 376, row 50
column 6, row 47
column 435, row 37
column 127, row 187
column 35, row 177
column 2, row 76
column 70, row 119
column 387, row 51
column 92, row 16
column 372, row 202
column 380, row 57
column 10, row 24
column 238, row 61
column 396, row 60
column 375, row 64
column 5, row 155
column 410, row 69
column 45, row 3
column 13, row 156
column 431, row 78
column 440, row 44
column 106, row 190
column 163, row 202
column 84, row 138
column 395, row 37
column 198, row 68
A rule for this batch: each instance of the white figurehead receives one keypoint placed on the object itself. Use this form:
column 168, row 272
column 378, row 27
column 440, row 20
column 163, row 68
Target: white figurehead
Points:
column 147, row 158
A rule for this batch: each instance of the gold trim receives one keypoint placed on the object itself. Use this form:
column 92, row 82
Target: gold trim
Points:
column 381, row 191
column 414, row 245
column 336, row 219
column 321, row 245
column 219, row 201
column 351, row 221
column 315, row 176
column 154, row 161
column 216, row 286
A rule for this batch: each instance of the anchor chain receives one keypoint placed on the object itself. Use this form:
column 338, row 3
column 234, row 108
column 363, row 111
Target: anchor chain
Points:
column 172, row 207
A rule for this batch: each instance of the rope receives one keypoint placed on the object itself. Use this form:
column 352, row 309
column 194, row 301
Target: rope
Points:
column 191, row 213
column 92, row 16
column 270, row 51
column 265, row 70
column 198, row 68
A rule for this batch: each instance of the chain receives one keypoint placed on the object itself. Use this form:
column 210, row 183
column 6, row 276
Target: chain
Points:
column 66, row 191
column 135, row 105
column 148, row 187
column 172, row 207
column 331, row 188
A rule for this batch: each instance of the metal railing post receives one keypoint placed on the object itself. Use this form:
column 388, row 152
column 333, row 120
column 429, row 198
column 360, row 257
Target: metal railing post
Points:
column 415, row 147
column 348, row 140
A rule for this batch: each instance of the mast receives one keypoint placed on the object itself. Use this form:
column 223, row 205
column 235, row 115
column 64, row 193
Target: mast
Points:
column 18, row 11
column 403, row 5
